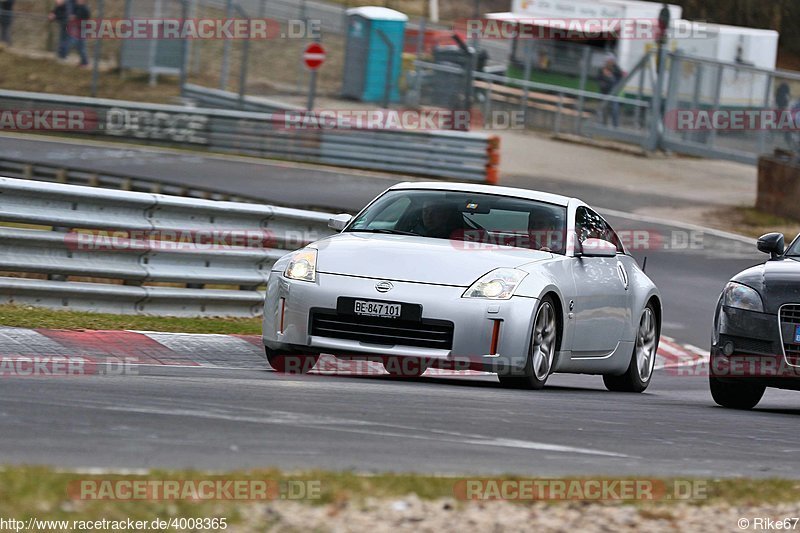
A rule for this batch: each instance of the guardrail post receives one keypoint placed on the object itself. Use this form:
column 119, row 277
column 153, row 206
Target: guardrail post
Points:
column 243, row 68
column 763, row 134
column 712, row 137
column 525, row 88
column 61, row 175
column 586, row 63
column 493, row 157
column 27, row 172
column 657, row 118
column 184, row 49
column 698, row 88
column 558, row 116
column 226, row 50
column 487, row 105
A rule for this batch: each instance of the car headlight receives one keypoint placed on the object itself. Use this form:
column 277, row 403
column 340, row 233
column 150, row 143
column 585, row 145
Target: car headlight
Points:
column 302, row 265
column 499, row 284
column 742, row 297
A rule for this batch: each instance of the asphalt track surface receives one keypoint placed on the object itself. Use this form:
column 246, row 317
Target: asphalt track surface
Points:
column 220, row 418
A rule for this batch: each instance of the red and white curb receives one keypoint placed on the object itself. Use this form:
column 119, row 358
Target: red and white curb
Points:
column 145, row 348
column 671, row 354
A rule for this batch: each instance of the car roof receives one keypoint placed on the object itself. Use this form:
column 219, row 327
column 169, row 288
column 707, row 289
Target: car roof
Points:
column 526, row 194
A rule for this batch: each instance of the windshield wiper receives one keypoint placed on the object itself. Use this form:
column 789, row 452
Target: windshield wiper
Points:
column 388, row 232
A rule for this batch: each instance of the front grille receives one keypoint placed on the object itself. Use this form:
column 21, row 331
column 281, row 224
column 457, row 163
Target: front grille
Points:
column 790, row 315
column 389, row 332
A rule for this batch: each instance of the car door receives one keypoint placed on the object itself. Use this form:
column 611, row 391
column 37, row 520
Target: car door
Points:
column 601, row 302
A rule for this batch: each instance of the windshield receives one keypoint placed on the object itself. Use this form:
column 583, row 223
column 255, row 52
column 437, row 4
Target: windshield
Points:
column 480, row 219
column 794, row 249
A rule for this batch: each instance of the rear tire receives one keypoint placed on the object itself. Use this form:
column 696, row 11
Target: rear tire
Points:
column 286, row 363
column 542, row 352
column 736, row 395
column 643, row 359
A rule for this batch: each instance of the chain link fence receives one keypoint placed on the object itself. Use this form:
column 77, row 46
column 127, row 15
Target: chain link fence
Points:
column 728, row 110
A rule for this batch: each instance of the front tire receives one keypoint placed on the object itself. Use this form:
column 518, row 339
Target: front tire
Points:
column 541, row 355
column 743, row 396
column 640, row 370
column 286, row 363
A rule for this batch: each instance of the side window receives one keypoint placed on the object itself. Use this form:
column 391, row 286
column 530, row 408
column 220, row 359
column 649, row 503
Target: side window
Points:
column 590, row 225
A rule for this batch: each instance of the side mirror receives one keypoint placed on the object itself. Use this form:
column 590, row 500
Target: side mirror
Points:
column 773, row 244
column 339, row 222
column 598, row 248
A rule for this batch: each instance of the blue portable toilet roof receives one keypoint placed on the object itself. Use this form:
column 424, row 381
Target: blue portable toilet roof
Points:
column 377, row 13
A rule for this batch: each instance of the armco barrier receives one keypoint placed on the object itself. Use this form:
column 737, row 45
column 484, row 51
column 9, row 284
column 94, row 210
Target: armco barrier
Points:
column 218, row 99
column 12, row 167
column 438, row 154
column 145, row 276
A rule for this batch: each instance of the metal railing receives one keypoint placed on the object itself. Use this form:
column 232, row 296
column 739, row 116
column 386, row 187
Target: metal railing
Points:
column 140, row 253
column 33, row 170
column 562, row 110
column 438, row 154
column 215, row 98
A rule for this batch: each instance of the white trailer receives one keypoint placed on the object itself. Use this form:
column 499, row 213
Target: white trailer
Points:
column 719, row 44
column 635, row 19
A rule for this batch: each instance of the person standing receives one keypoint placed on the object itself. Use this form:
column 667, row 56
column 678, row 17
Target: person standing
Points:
column 70, row 14
column 81, row 12
column 609, row 78
column 6, row 18
column 60, row 15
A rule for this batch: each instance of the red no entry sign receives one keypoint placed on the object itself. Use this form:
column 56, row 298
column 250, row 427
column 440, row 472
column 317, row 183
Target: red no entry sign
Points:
column 314, row 56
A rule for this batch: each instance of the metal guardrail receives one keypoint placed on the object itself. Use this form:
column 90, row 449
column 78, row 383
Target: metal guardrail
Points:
column 439, row 154
column 218, row 99
column 86, row 233
column 29, row 170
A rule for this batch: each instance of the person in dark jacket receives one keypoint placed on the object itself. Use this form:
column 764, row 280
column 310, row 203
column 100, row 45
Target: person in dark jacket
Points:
column 6, row 18
column 608, row 79
column 69, row 14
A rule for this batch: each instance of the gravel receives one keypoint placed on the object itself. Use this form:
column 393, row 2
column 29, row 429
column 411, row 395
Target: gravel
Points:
column 412, row 514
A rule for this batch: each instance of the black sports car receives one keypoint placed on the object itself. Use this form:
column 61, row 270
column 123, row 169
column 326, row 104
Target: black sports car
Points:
column 756, row 342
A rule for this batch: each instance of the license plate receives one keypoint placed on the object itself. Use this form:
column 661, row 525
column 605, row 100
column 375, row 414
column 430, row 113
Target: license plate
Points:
column 378, row 309
column 797, row 335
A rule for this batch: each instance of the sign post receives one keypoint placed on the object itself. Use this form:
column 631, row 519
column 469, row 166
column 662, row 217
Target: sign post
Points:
column 313, row 57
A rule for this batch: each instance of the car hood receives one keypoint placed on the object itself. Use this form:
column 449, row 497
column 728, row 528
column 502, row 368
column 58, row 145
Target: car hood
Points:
column 778, row 282
column 417, row 259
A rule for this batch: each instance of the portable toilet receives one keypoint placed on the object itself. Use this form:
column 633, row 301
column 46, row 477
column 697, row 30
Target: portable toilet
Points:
column 368, row 56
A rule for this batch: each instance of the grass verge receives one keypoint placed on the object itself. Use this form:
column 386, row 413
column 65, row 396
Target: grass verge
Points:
column 42, row 492
column 754, row 223
column 36, row 317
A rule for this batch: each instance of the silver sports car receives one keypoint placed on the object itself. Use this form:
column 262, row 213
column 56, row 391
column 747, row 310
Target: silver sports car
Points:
column 463, row 276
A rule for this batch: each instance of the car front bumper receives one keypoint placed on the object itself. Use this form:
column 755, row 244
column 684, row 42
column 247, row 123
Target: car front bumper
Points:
column 747, row 345
column 289, row 304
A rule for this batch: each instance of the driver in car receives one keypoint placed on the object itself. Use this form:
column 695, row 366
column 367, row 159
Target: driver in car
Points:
column 544, row 232
column 439, row 220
